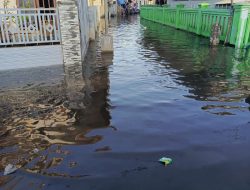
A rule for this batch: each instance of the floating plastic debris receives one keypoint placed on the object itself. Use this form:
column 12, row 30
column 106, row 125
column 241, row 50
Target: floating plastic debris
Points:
column 9, row 169
column 36, row 150
column 166, row 161
column 72, row 164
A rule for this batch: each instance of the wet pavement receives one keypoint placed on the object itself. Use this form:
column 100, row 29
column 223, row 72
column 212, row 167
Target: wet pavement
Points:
column 104, row 124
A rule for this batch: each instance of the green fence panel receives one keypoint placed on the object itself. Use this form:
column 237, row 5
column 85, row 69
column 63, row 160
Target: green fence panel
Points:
column 234, row 27
column 210, row 17
column 247, row 32
column 247, row 38
column 187, row 19
column 242, row 11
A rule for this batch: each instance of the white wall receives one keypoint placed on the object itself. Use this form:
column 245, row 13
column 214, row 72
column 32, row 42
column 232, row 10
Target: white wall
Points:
column 94, row 20
column 99, row 4
column 191, row 3
column 194, row 3
column 11, row 4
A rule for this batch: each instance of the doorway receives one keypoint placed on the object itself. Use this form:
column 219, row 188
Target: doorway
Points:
column 46, row 3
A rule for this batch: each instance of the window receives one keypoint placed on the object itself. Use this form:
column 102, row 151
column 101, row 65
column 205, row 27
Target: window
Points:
column 36, row 3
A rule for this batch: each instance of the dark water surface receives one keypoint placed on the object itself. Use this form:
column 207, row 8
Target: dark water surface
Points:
column 104, row 124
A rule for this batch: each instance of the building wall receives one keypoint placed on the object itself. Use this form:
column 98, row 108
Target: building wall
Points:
column 99, row 4
column 94, row 20
column 190, row 3
column 75, row 25
column 18, row 3
column 25, row 3
column 194, row 3
column 10, row 4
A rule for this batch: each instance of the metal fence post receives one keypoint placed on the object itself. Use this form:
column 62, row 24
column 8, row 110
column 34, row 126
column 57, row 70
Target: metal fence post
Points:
column 239, row 26
column 177, row 16
column 199, row 21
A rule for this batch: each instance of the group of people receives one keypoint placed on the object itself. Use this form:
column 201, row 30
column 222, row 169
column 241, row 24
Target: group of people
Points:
column 128, row 7
column 160, row 2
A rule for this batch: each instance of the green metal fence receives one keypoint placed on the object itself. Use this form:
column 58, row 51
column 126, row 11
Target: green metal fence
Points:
column 235, row 26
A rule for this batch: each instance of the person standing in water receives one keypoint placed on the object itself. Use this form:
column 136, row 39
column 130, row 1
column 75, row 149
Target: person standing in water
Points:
column 122, row 3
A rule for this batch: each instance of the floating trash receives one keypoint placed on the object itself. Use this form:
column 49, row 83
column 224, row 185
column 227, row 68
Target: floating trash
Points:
column 72, row 164
column 9, row 169
column 165, row 161
column 36, row 150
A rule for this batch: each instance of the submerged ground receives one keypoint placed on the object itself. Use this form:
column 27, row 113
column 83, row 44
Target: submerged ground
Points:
column 104, row 124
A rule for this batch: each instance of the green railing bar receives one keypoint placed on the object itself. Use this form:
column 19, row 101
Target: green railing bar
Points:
column 200, row 20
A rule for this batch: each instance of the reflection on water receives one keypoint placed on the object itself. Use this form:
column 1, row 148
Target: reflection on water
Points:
column 210, row 74
column 103, row 124
column 36, row 116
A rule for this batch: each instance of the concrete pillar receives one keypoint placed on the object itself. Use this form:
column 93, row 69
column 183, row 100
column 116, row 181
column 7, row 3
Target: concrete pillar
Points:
column 70, row 31
column 106, row 40
column 75, row 85
column 93, row 22
column 72, row 51
column 113, row 8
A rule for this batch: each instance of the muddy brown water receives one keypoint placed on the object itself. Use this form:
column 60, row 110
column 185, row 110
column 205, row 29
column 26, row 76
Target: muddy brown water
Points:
column 104, row 124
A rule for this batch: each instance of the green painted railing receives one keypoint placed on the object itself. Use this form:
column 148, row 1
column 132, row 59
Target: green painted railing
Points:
column 235, row 26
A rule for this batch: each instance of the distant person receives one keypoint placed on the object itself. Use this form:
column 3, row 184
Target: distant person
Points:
column 160, row 2
column 122, row 3
column 247, row 100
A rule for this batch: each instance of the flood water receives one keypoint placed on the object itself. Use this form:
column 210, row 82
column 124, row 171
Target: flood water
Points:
column 103, row 124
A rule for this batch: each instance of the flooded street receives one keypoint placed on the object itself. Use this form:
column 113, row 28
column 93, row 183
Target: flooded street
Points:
column 104, row 124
